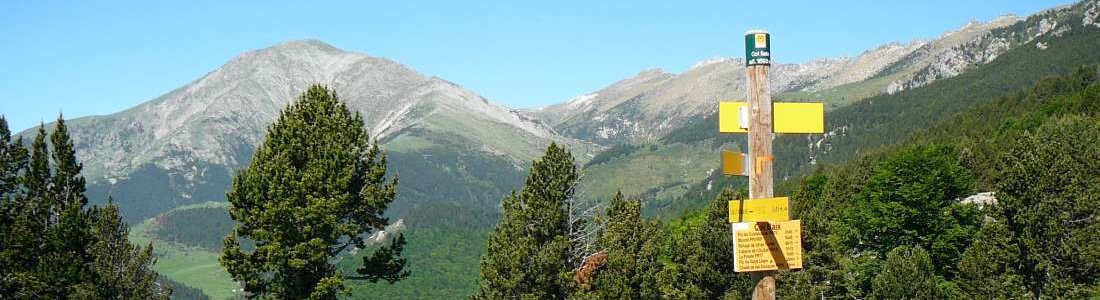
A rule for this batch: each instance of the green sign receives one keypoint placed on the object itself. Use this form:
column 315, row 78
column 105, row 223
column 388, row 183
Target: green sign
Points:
column 758, row 48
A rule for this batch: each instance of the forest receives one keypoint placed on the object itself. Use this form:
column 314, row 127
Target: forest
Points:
column 998, row 202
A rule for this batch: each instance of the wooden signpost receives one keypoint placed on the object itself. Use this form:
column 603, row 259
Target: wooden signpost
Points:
column 764, row 238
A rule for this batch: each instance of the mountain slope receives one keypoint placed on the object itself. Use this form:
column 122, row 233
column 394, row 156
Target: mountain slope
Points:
column 648, row 106
column 871, row 123
column 192, row 138
column 887, row 119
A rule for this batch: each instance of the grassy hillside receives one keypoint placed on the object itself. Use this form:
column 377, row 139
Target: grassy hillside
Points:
column 657, row 173
column 195, row 266
column 445, row 244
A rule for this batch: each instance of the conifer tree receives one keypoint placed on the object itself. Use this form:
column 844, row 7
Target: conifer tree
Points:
column 68, row 184
column 907, row 274
column 987, row 269
column 68, row 236
column 56, row 248
column 123, row 270
column 702, row 261
column 25, row 245
column 633, row 246
column 528, row 252
column 13, row 159
column 315, row 188
column 1044, row 239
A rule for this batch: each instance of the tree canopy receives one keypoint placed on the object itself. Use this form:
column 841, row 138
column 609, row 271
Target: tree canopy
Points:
column 315, row 188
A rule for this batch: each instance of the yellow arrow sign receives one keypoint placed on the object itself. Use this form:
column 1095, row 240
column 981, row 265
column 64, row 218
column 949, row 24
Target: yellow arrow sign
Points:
column 729, row 117
column 759, row 210
column 798, row 117
column 786, row 117
column 766, row 246
column 733, row 163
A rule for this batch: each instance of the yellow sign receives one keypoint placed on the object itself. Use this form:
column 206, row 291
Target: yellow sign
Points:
column 799, row 117
column 729, row 117
column 761, row 40
column 733, row 163
column 787, row 117
column 759, row 210
column 766, row 246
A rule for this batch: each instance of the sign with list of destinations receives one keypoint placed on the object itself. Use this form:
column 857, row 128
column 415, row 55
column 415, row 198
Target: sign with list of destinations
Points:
column 766, row 246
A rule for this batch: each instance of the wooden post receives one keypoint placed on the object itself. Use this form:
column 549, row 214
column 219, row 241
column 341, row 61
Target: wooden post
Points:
column 761, row 179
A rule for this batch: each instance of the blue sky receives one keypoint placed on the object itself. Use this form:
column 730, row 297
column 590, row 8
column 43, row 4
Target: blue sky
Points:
column 93, row 57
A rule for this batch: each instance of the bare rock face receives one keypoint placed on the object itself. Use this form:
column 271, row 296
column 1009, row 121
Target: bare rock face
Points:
column 1092, row 14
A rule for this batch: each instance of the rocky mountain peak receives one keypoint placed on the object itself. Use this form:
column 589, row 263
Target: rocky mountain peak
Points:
column 210, row 119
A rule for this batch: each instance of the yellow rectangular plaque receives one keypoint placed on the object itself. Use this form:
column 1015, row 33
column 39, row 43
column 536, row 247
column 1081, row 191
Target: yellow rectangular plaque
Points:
column 799, row 117
column 733, row 163
column 766, row 246
column 729, row 117
column 787, row 117
column 759, row 210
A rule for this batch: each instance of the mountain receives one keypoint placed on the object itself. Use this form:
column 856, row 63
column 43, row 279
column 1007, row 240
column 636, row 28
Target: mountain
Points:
column 654, row 102
column 1046, row 44
column 862, row 116
column 192, row 138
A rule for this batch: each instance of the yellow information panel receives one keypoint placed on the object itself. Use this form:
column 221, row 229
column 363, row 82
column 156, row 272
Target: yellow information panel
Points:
column 766, row 246
column 759, row 210
column 729, row 117
column 733, row 163
column 787, row 117
column 799, row 117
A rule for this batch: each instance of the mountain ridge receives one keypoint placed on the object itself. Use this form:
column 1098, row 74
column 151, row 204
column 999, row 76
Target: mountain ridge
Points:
column 611, row 115
column 189, row 141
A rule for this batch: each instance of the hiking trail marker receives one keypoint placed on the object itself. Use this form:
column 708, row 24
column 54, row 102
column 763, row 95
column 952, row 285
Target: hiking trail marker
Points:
column 759, row 210
column 764, row 237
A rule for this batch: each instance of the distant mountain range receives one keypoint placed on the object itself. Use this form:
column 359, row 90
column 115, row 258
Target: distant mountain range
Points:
column 192, row 138
column 653, row 103
column 189, row 140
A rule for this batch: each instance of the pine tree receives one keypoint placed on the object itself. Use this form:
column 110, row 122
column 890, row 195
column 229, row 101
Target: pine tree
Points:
column 56, row 248
column 314, row 189
column 907, row 274
column 1045, row 233
column 528, row 252
column 25, row 245
column 633, row 246
column 68, row 184
column 68, row 236
column 987, row 269
column 702, row 261
column 123, row 270
column 13, row 159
